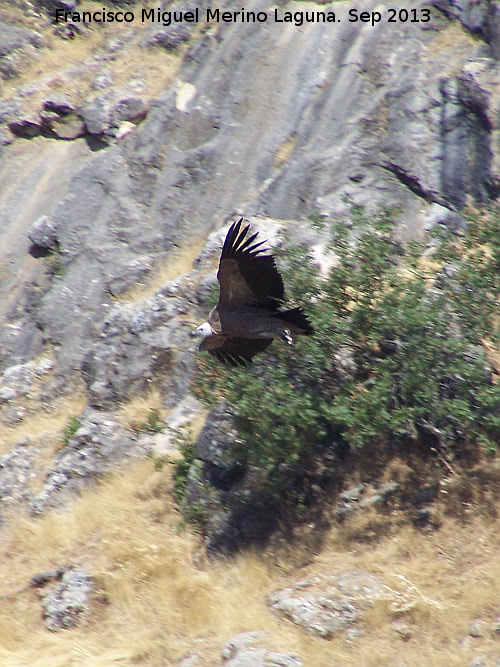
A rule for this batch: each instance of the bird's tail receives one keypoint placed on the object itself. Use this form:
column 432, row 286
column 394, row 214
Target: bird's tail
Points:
column 297, row 318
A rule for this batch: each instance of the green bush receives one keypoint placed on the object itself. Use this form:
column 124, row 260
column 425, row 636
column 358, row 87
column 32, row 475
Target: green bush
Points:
column 70, row 429
column 397, row 353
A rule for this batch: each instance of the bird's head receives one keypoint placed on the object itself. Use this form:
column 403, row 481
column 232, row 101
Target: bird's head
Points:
column 202, row 331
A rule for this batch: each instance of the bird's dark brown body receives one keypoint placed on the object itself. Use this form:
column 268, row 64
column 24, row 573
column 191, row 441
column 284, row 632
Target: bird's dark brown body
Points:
column 248, row 317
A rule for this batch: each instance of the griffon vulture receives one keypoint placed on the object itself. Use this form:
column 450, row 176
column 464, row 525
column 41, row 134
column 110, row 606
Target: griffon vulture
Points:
column 247, row 316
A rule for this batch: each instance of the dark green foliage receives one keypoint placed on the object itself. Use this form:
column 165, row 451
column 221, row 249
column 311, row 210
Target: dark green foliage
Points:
column 397, row 352
column 316, row 219
column 182, row 466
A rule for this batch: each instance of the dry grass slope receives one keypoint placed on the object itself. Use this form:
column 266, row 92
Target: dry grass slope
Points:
column 158, row 597
column 52, row 64
column 38, row 420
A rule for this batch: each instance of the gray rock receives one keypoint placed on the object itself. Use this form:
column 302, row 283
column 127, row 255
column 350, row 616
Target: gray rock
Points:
column 48, row 119
column 348, row 500
column 15, row 473
column 60, row 103
column 103, row 80
column 69, row 127
column 492, row 29
column 98, row 446
column 254, row 657
column 27, row 127
column 70, row 29
column 239, row 652
column 68, row 5
column 191, row 660
column 147, row 336
column 217, row 435
column 478, row 661
column 440, row 215
column 326, row 606
column 6, row 137
column 17, row 47
column 13, row 38
column 383, row 107
column 275, row 659
column 43, row 233
column 7, row 394
column 132, row 109
column 184, row 412
column 477, row 628
column 353, row 635
column 64, row 606
column 17, row 380
column 240, row 641
column 378, row 115
column 251, row 657
column 103, row 115
column 352, row 495
column 380, row 494
column 13, row 415
column 42, row 578
column 96, row 115
column 9, row 109
column 167, row 444
column 29, row 89
column 169, row 37
column 472, row 14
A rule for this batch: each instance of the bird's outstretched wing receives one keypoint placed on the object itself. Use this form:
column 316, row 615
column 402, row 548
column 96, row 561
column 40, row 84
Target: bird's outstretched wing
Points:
column 240, row 351
column 246, row 277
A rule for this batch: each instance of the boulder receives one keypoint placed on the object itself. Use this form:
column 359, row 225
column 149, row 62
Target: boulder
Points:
column 60, row 103
column 26, row 127
column 104, row 114
column 43, row 233
column 239, row 651
column 168, row 37
column 69, row 127
column 327, row 605
column 64, row 606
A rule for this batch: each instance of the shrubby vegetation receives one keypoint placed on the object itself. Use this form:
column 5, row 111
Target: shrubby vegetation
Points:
column 398, row 354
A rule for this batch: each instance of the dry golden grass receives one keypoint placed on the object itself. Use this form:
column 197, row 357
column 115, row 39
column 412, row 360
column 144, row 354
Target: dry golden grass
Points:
column 135, row 413
column 284, row 151
column 54, row 419
column 451, row 45
column 155, row 66
column 158, row 597
column 158, row 603
column 492, row 355
column 197, row 424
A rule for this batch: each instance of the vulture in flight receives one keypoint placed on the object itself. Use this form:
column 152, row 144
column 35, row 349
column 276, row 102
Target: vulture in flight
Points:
column 248, row 316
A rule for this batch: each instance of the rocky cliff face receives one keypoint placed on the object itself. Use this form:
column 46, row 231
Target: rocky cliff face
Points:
column 261, row 119
column 123, row 147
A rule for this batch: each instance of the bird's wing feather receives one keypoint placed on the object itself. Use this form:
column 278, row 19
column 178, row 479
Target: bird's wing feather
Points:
column 246, row 277
column 239, row 351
